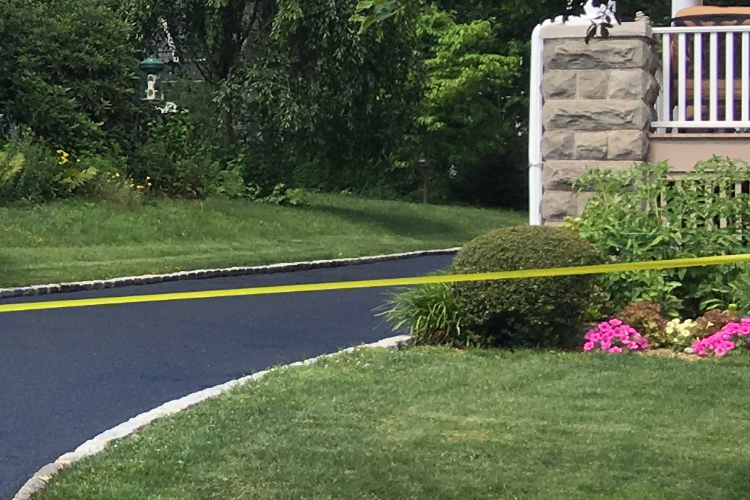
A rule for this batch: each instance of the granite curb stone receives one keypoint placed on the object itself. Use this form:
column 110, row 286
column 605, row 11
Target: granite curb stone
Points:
column 97, row 444
column 27, row 291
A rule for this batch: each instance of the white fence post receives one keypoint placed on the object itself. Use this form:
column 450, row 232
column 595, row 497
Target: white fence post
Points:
column 535, row 129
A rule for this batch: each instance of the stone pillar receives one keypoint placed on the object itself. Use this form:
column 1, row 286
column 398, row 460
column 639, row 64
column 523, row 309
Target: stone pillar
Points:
column 598, row 106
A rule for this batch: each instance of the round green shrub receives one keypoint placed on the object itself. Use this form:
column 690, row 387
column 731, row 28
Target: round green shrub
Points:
column 531, row 312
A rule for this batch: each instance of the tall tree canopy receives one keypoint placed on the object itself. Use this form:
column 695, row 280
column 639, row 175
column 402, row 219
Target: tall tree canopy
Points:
column 323, row 102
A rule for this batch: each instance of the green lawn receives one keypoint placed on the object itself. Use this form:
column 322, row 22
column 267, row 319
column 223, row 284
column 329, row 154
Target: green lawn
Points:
column 75, row 240
column 432, row 424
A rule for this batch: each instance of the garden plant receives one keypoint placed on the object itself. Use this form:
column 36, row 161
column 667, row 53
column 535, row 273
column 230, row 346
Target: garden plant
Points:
column 639, row 214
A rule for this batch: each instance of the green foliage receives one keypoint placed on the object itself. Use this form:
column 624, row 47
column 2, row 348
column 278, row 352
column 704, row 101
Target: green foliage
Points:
column 321, row 103
column 740, row 290
column 31, row 173
column 460, row 117
column 111, row 183
column 599, row 308
column 177, row 162
column 281, row 195
column 210, row 34
column 431, row 313
column 646, row 318
column 68, row 72
column 644, row 213
column 369, row 12
column 533, row 312
column 10, row 164
column 231, row 184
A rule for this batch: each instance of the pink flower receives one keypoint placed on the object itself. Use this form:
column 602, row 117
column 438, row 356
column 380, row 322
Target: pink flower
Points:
column 730, row 328
column 698, row 348
column 595, row 337
column 612, row 336
column 744, row 329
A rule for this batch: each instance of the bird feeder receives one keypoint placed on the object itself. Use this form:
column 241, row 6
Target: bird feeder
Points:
column 152, row 67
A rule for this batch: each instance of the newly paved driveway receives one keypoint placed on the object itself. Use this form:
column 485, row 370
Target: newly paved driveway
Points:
column 69, row 374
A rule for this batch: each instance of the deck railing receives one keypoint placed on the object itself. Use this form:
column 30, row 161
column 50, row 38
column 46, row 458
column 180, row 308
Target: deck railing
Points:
column 704, row 78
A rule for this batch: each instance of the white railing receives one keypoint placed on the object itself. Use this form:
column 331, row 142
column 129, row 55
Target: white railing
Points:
column 705, row 79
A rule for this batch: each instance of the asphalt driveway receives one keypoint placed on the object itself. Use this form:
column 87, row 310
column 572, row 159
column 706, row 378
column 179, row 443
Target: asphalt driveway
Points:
column 66, row 375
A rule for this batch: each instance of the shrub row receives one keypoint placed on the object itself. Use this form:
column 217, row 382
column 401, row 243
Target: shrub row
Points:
column 640, row 214
column 30, row 172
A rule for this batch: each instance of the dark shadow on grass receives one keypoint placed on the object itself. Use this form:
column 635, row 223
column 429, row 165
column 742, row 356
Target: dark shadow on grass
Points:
column 400, row 224
column 729, row 481
column 9, row 274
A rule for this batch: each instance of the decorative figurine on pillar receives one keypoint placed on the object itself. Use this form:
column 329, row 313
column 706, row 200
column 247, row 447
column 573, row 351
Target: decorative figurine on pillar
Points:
column 152, row 67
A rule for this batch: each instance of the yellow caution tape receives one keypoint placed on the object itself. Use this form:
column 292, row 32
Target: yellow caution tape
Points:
column 349, row 285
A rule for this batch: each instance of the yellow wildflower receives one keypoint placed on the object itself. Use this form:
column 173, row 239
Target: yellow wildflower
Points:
column 63, row 156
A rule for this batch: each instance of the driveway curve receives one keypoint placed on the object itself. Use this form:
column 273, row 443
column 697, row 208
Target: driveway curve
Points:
column 68, row 374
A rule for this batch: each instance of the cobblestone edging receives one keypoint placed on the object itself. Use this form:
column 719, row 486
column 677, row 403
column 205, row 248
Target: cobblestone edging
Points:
column 96, row 445
column 209, row 273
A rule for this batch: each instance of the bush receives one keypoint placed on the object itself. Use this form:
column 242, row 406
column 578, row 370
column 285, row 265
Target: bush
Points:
column 740, row 291
column 31, row 173
column 176, row 160
column 646, row 318
column 543, row 312
column 431, row 313
column 644, row 213
column 714, row 320
column 68, row 71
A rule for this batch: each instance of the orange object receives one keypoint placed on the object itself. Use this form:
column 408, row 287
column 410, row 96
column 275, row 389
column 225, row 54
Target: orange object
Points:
column 704, row 15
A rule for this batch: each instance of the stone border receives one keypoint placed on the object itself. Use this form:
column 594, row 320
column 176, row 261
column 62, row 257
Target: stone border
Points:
column 210, row 273
column 97, row 444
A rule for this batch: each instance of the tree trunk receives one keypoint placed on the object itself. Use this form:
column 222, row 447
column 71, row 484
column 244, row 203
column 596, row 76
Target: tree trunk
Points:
column 425, row 183
column 227, row 132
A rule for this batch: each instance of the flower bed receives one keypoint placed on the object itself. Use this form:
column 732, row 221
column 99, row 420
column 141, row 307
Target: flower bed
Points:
column 615, row 337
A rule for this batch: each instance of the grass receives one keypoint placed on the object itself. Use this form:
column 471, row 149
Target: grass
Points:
column 67, row 241
column 433, row 424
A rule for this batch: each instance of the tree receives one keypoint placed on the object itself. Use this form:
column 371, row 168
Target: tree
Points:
column 459, row 119
column 212, row 36
column 325, row 104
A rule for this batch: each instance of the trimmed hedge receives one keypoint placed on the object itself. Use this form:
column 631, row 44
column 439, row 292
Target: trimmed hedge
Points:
column 534, row 312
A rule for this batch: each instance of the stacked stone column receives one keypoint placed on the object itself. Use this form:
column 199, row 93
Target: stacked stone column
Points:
column 598, row 106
